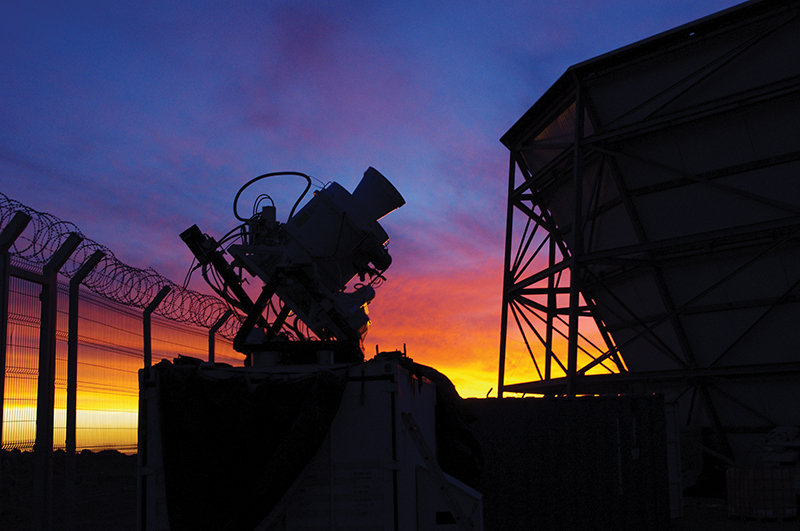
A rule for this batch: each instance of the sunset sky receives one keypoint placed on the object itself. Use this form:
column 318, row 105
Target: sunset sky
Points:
column 136, row 120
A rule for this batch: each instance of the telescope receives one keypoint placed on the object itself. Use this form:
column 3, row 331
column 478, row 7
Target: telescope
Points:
column 306, row 263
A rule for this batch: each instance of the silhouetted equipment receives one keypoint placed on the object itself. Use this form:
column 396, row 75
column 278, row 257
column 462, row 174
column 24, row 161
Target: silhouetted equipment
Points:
column 307, row 262
column 309, row 435
column 653, row 192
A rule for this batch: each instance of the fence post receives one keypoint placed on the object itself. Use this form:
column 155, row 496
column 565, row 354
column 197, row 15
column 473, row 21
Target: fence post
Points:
column 45, row 398
column 141, row 455
column 72, row 387
column 10, row 233
column 148, row 348
column 213, row 331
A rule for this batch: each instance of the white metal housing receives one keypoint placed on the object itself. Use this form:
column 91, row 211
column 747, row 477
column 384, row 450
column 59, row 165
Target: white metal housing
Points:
column 376, row 469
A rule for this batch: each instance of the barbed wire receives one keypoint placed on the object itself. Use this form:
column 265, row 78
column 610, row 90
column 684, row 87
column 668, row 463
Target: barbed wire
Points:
column 111, row 278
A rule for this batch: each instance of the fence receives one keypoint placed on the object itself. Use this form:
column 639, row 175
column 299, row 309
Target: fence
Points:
column 110, row 308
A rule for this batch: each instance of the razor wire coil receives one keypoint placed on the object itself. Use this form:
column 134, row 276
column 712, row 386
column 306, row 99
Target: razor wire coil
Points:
column 110, row 278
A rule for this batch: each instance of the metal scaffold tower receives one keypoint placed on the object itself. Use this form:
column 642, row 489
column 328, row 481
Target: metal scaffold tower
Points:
column 653, row 226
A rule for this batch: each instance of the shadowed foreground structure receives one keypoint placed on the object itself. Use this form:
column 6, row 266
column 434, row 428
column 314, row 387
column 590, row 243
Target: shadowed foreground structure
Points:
column 573, row 464
column 522, row 490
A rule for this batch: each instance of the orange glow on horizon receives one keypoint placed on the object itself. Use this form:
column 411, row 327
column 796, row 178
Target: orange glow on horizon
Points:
column 449, row 320
column 109, row 357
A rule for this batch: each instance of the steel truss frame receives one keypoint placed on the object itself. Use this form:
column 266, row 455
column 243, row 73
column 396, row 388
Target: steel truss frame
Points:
column 550, row 270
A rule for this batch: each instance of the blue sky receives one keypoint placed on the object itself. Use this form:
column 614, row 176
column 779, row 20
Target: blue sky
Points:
column 135, row 120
